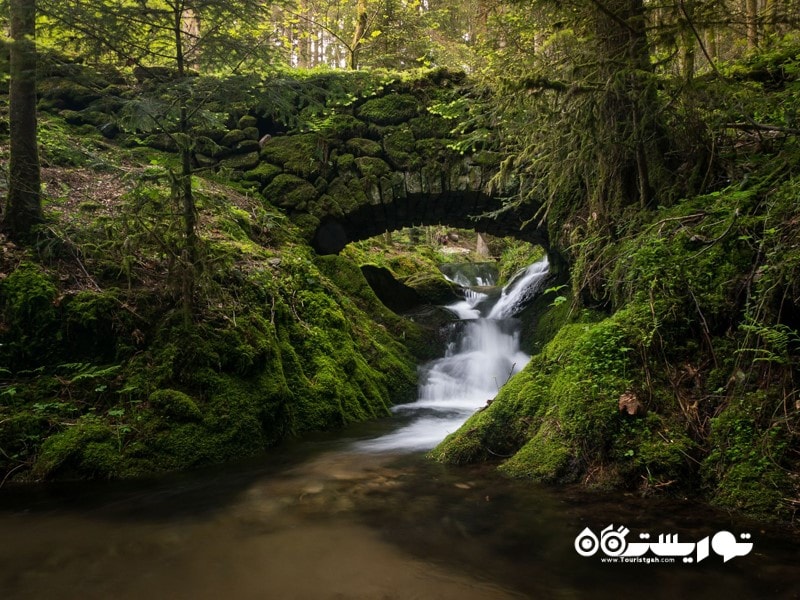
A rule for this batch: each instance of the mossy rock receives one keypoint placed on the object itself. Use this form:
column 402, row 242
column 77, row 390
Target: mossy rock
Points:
column 433, row 150
column 395, row 295
column 363, row 147
column 241, row 162
column 204, row 161
column 251, row 133
column 233, row 137
column 391, row 109
column 348, row 193
column 372, row 167
column 67, row 93
column 175, row 405
column 73, row 117
column 88, row 449
column 247, row 121
column 290, row 192
column 206, row 145
column 400, row 145
column 246, row 146
column 342, row 126
column 325, row 206
column 431, row 126
column 215, row 134
column 487, row 159
column 345, row 162
column 433, row 287
column 161, row 141
column 263, row 173
column 572, row 387
column 545, row 457
column 297, row 154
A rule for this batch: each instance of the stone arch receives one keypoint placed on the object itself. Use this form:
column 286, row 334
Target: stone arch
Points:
column 462, row 209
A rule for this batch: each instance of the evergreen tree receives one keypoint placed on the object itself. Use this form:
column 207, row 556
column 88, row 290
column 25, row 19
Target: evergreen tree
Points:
column 23, row 207
column 180, row 35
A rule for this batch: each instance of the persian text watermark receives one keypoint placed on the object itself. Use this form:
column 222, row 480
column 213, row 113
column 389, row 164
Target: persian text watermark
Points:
column 665, row 549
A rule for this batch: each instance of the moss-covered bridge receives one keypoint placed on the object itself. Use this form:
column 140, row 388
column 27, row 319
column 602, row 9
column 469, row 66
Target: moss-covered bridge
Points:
column 380, row 160
column 379, row 165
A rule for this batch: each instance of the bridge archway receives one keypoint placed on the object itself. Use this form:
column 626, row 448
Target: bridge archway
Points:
column 459, row 209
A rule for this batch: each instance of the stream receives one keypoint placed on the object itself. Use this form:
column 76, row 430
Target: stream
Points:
column 362, row 514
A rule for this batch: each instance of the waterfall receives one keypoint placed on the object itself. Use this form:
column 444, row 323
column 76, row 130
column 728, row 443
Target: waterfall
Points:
column 482, row 354
column 521, row 289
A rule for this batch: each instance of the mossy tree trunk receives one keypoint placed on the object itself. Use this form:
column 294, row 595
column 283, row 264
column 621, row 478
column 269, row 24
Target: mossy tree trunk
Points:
column 24, row 207
column 628, row 107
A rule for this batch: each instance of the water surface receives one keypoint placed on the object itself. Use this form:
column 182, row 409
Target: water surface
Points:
column 320, row 520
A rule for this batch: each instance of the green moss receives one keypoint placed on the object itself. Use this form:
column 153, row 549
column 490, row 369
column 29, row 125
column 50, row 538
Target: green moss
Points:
column 263, row 173
column 175, row 405
column 400, row 146
column 86, row 449
column 391, row 109
column 96, row 326
column 433, row 287
column 657, row 446
column 544, row 318
column 347, row 193
column 208, row 147
column 20, row 436
column 240, row 162
column 487, row 159
column 747, row 467
column 161, row 141
column 298, row 154
column 233, row 137
column 65, row 92
column 371, row 167
column 363, row 147
column 247, row 121
column 345, row 162
column 27, row 302
column 290, row 192
column 430, row 126
column 545, row 457
column 340, row 126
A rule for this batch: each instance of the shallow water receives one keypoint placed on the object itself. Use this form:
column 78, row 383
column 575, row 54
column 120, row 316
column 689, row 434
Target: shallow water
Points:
column 321, row 520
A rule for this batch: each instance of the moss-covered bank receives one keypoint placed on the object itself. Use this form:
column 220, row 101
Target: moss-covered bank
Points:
column 685, row 380
column 101, row 373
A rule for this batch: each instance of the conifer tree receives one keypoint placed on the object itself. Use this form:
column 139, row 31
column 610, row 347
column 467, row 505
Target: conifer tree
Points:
column 23, row 206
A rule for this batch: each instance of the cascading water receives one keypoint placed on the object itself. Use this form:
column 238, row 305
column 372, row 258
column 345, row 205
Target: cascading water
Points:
column 482, row 354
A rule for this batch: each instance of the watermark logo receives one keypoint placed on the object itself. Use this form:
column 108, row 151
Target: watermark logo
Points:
column 666, row 549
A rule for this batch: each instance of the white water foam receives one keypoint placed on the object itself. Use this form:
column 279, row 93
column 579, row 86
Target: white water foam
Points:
column 482, row 355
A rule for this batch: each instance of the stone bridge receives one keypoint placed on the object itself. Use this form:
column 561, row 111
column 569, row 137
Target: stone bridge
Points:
column 379, row 165
column 379, row 161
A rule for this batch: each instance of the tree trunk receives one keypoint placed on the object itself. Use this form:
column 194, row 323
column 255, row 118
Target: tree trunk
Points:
column 627, row 107
column 24, row 206
column 183, row 191
column 688, row 42
column 358, row 35
column 752, row 23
